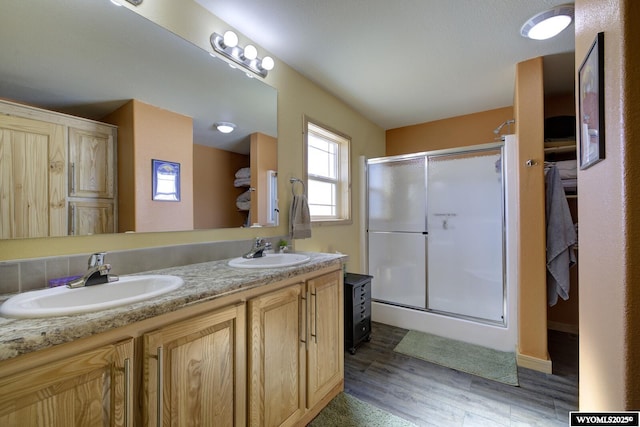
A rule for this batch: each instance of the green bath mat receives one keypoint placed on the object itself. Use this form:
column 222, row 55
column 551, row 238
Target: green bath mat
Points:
column 470, row 358
column 347, row 411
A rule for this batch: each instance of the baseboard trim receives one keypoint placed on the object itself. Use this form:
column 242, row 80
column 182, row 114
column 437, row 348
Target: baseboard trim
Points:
column 563, row 327
column 530, row 362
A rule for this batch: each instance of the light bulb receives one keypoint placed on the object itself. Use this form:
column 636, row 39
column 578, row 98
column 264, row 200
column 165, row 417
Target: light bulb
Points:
column 267, row 63
column 225, row 127
column 250, row 52
column 230, row 39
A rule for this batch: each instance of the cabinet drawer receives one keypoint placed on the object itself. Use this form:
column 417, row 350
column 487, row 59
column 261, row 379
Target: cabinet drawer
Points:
column 362, row 293
column 362, row 329
column 360, row 312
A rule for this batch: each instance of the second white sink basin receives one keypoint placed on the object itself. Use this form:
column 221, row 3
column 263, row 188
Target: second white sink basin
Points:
column 62, row 301
column 270, row 261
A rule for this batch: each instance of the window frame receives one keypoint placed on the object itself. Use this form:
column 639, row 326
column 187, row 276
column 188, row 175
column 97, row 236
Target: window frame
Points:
column 343, row 193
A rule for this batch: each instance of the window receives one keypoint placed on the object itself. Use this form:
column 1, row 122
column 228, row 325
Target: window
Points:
column 327, row 173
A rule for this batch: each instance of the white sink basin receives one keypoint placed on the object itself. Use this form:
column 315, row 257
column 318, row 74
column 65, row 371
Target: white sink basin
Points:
column 270, row 261
column 62, row 301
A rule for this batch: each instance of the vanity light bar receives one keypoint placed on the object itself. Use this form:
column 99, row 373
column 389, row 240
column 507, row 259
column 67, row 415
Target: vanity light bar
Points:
column 246, row 57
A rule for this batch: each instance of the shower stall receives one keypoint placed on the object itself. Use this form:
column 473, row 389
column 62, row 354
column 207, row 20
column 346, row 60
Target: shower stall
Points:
column 454, row 273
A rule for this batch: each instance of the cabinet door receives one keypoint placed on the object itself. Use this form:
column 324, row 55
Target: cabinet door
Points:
column 91, row 164
column 93, row 388
column 276, row 358
column 91, row 217
column 325, row 368
column 194, row 371
column 32, row 172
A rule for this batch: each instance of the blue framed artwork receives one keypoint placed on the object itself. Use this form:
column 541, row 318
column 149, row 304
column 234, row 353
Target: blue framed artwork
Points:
column 166, row 180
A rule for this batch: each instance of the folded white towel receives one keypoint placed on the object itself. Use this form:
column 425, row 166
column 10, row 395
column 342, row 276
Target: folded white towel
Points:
column 243, row 206
column 242, row 182
column 299, row 218
column 243, row 173
column 568, row 168
column 244, row 197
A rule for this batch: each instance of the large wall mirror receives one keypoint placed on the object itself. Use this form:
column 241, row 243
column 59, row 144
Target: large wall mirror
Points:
column 89, row 58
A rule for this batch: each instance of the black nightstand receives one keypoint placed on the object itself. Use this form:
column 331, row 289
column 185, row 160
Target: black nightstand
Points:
column 357, row 310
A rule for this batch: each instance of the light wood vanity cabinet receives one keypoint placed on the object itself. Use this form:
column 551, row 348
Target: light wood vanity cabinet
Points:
column 295, row 351
column 325, row 367
column 194, row 371
column 57, row 174
column 271, row 355
column 277, row 364
column 92, row 388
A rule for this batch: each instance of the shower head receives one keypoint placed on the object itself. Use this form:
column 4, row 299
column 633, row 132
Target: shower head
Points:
column 499, row 128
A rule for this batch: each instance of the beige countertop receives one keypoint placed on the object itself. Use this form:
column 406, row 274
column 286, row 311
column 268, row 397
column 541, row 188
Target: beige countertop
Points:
column 202, row 282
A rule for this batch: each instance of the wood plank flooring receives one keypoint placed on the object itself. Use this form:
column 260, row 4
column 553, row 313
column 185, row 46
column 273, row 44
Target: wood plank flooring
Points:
column 431, row 395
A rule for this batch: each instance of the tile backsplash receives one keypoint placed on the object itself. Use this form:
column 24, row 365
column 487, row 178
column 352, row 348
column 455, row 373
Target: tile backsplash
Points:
column 30, row 274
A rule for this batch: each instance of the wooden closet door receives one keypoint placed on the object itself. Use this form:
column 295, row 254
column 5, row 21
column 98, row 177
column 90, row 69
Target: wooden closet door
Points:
column 32, row 172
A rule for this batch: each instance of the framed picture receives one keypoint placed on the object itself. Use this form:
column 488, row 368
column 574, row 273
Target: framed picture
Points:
column 166, row 180
column 591, row 133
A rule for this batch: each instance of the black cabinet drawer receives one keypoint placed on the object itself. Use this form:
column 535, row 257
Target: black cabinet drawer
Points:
column 362, row 294
column 362, row 329
column 361, row 312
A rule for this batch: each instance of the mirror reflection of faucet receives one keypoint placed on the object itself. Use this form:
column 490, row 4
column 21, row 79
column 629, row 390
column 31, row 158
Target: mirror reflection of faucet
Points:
column 97, row 273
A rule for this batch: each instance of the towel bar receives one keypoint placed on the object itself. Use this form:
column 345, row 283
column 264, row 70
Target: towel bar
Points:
column 293, row 182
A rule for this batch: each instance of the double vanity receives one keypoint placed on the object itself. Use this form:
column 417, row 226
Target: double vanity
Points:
column 215, row 343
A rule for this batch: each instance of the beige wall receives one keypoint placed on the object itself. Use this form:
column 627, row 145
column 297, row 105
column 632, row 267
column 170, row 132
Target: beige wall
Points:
column 264, row 157
column 145, row 133
column 123, row 116
column 470, row 129
column 608, row 216
column 213, row 191
column 297, row 96
column 532, row 289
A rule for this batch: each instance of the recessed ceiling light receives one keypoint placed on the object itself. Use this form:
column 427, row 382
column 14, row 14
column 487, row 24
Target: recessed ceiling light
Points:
column 549, row 23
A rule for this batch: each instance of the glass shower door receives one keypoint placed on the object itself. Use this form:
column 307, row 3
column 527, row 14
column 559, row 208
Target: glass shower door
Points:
column 465, row 226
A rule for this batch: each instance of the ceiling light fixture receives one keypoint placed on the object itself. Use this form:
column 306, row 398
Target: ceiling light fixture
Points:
column 227, row 46
column 549, row 23
column 225, row 127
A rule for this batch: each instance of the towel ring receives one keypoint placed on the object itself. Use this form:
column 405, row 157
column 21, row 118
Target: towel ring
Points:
column 293, row 182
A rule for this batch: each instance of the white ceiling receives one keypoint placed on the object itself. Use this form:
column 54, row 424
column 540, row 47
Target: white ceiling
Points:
column 408, row 61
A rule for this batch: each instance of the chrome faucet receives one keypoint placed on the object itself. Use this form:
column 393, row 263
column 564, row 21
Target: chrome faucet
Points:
column 97, row 272
column 259, row 246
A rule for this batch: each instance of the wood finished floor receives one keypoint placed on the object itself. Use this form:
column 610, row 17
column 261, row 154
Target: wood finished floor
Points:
column 431, row 395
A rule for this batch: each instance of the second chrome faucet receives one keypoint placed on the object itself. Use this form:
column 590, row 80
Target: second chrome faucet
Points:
column 97, row 272
column 259, row 246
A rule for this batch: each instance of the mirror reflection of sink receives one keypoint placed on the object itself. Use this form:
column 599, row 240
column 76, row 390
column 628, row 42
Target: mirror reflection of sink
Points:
column 270, row 261
column 62, row 301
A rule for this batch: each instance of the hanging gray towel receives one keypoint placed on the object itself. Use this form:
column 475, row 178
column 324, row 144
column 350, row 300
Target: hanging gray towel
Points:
column 561, row 236
column 299, row 218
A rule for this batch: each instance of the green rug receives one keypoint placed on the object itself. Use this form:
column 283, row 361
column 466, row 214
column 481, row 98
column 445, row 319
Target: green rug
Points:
column 470, row 358
column 347, row 411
